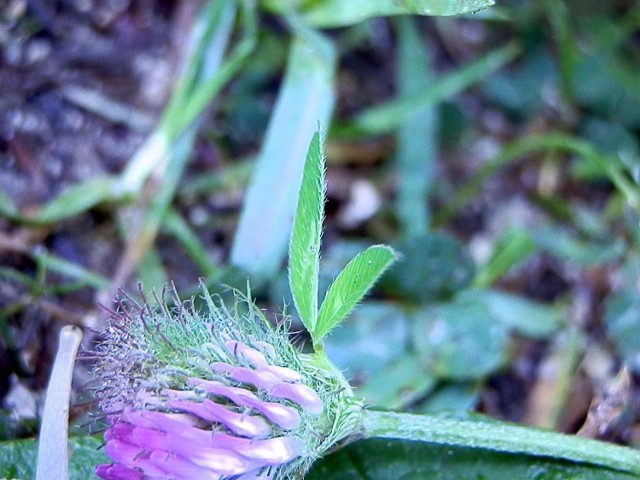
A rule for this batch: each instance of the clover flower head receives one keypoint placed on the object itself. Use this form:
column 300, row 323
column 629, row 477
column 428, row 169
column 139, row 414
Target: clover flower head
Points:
column 215, row 395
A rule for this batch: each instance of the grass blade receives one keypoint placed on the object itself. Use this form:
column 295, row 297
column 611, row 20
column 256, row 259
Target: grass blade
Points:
column 7, row 207
column 515, row 151
column 177, row 226
column 388, row 116
column 416, row 136
column 46, row 261
column 205, row 74
column 77, row 199
column 193, row 92
column 338, row 13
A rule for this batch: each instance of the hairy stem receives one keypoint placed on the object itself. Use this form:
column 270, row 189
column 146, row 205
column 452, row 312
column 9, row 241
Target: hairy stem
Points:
column 502, row 437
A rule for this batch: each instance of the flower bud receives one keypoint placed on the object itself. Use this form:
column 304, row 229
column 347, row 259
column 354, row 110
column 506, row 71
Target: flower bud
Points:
column 214, row 395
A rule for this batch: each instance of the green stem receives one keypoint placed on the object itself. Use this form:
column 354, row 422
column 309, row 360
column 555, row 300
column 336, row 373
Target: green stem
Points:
column 501, row 437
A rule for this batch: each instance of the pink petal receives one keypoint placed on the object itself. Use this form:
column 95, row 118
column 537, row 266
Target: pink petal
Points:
column 181, row 394
column 275, row 451
column 164, row 421
column 284, row 373
column 220, row 460
column 133, row 457
column 119, row 431
column 176, row 465
column 300, row 394
column 149, row 438
column 246, row 425
column 235, row 394
column 260, row 379
column 123, row 452
column 240, row 350
column 265, row 347
column 285, row 417
column 117, row 472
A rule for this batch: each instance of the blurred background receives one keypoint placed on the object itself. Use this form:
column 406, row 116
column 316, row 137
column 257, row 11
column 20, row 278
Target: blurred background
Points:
column 162, row 141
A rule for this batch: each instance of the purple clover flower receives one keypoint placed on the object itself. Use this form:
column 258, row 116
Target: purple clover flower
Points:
column 221, row 395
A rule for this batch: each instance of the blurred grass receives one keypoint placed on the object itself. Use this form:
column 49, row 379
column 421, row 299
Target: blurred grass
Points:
column 388, row 116
column 305, row 102
column 594, row 161
column 336, row 13
column 416, row 149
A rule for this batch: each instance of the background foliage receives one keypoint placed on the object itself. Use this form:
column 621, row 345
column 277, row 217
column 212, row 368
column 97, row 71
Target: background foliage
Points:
column 497, row 152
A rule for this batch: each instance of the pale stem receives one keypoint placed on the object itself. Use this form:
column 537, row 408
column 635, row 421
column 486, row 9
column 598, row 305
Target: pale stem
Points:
column 53, row 451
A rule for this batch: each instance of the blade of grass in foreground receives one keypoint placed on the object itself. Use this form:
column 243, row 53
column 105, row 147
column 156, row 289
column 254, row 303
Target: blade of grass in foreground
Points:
column 175, row 224
column 305, row 101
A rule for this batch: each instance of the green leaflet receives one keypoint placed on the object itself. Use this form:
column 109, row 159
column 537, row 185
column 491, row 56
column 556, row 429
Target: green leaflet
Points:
column 304, row 248
column 350, row 286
